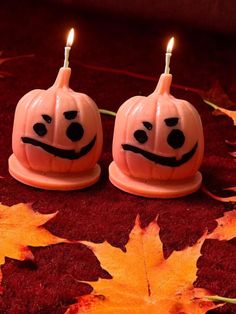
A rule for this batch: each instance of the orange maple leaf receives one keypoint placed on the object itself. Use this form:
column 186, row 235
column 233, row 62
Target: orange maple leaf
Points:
column 143, row 281
column 230, row 143
column 221, row 198
column 229, row 113
column 233, row 144
column 216, row 94
column 21, row 227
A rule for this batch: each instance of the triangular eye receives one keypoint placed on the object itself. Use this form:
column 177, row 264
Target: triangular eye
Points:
column 47, row 118
column 147, row 125
column 69, row 115
column 171, row 121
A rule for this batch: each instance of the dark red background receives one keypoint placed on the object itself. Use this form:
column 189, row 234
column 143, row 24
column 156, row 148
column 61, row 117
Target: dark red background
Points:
column 102, row 212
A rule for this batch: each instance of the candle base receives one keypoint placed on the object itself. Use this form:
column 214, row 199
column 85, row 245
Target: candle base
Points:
column 153, row 188
column 53, row 181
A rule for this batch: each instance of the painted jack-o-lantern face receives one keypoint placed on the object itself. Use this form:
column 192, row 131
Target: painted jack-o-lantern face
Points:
column 74, row 132
column 175, row 140
column 57, row 130
column 158, row 137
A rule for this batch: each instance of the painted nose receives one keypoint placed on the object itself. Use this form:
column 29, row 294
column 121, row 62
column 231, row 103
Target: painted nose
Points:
column 176, row 139
column 75, row 131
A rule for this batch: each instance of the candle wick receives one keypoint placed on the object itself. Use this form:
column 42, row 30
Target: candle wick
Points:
column 66, row 59
column 168, row 55
column 167, row 64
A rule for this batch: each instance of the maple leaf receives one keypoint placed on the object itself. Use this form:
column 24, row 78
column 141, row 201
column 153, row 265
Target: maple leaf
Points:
column 226, row 228
column 144, row 282
column 221, row 198
column 233, row 154
column 229, row 113
column 217, row 94
column 230, row 143
column 21, row 227
column 233, row 144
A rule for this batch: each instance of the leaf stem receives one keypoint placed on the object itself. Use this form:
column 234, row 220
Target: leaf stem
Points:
column 218, row 298
column 210, row 104
column 108, row 112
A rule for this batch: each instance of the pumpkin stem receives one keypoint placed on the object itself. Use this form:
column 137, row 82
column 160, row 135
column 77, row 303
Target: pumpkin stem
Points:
column 164, row 83
column 63, row 78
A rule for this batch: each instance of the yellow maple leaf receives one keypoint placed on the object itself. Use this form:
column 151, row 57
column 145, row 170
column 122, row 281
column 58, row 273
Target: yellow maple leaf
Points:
column 20, row 227
column 226, row 228
column 143, row 282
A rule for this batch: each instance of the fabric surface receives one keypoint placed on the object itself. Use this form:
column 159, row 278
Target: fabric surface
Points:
column 102, row 212
column 208, row 14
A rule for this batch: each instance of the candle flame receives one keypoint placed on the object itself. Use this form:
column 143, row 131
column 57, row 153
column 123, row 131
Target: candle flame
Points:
column 170, row 45
column 70, row 38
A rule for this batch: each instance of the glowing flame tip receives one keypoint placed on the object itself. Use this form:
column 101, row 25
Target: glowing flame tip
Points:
column 170, row 45
column 70, row 38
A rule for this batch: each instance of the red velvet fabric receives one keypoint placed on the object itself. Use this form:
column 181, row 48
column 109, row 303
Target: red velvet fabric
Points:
column 214, row 15
column 102, row 212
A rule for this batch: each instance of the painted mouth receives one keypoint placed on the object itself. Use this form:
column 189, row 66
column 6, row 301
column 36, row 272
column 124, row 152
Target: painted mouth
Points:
column 62, row 153
column 164, row 161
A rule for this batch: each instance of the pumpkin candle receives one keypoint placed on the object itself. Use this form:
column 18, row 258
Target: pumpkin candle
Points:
column 57, row 136
column 157, row 144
